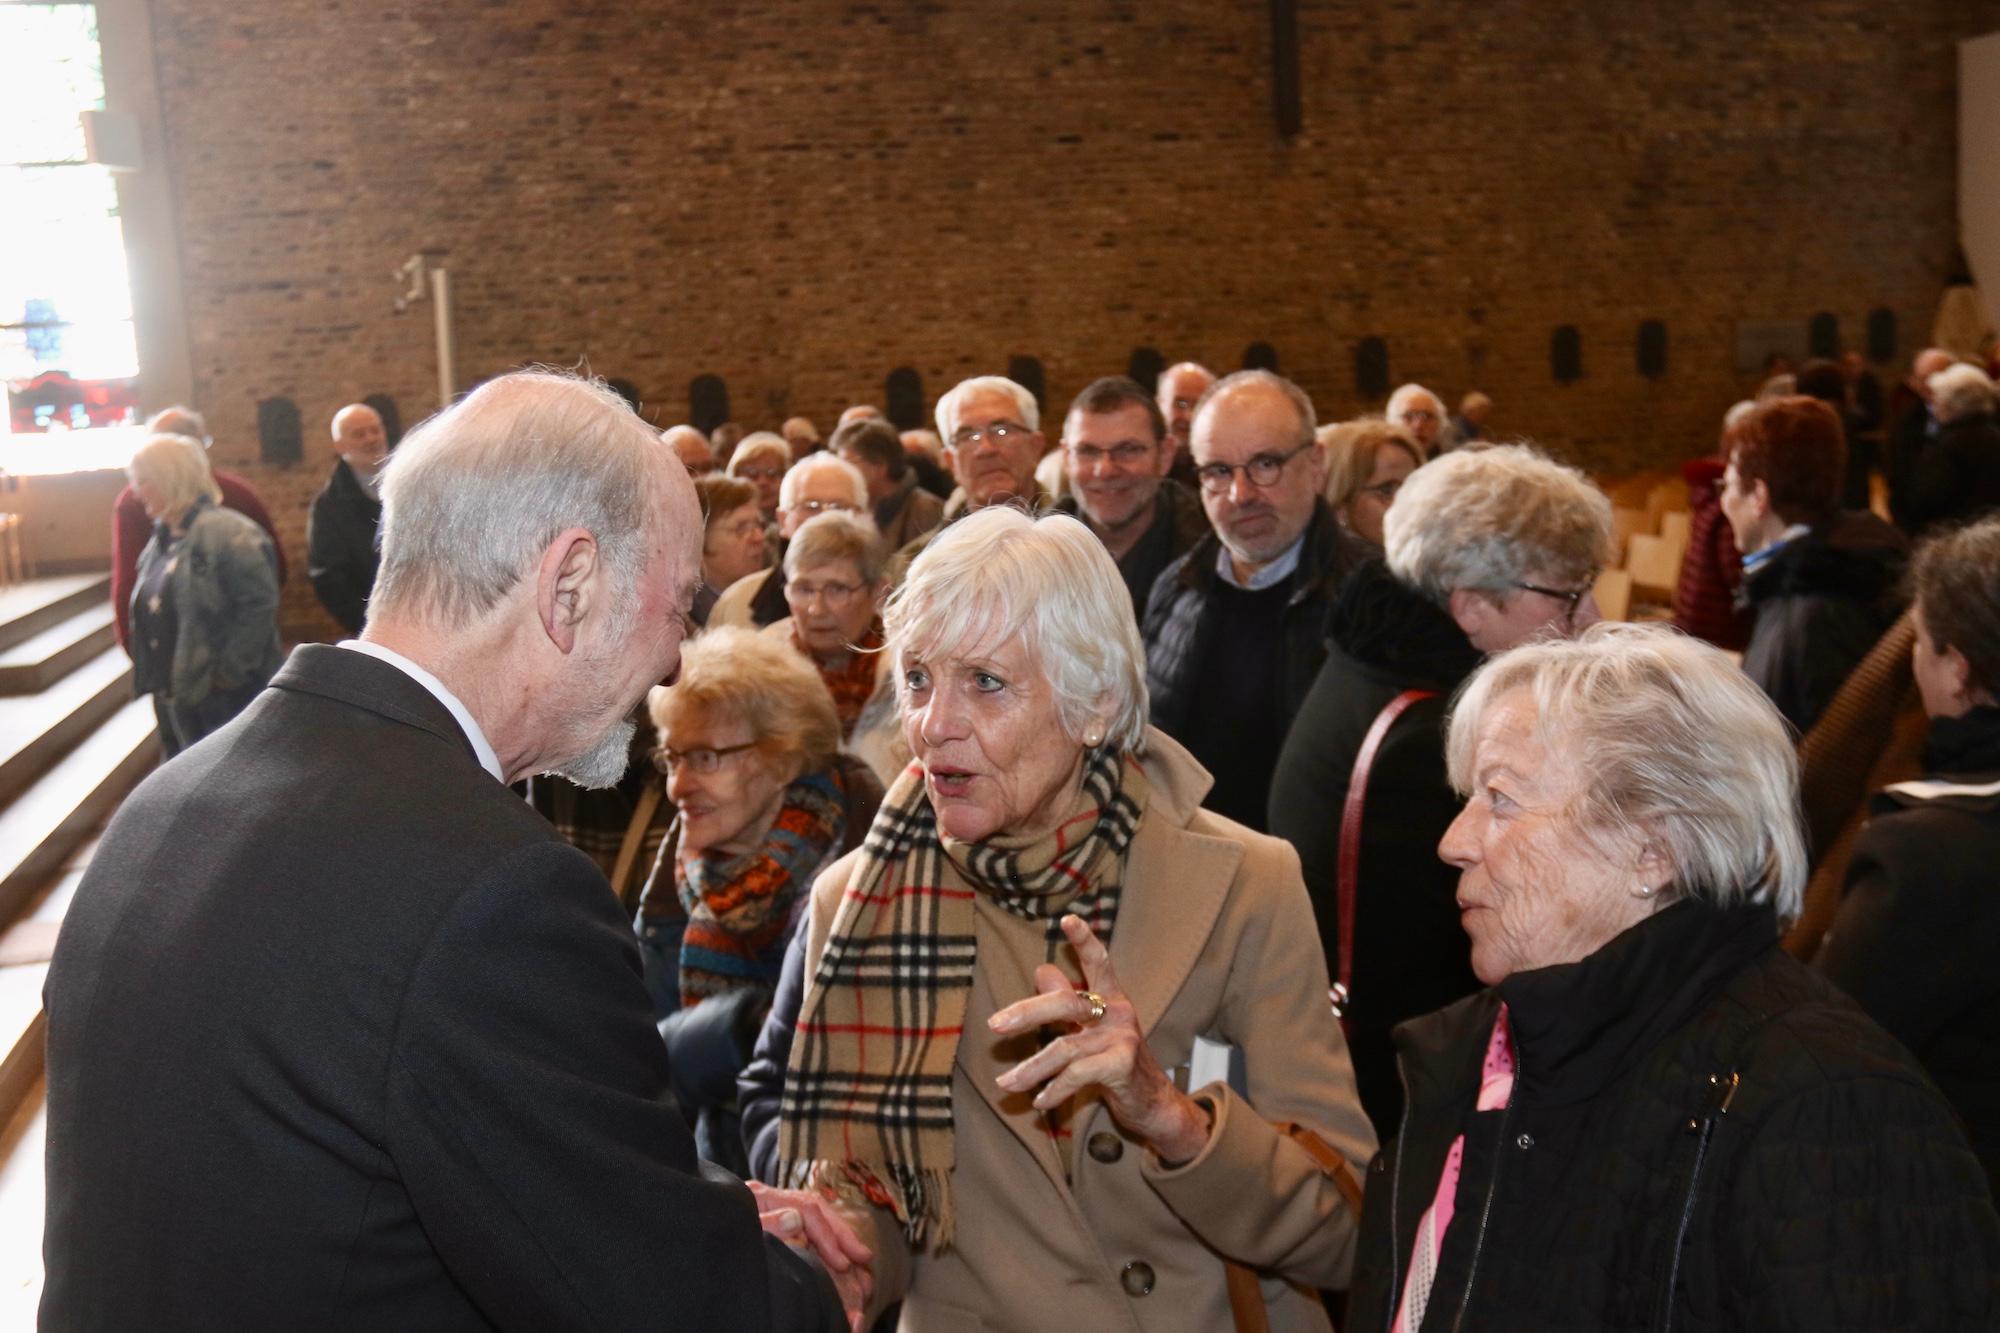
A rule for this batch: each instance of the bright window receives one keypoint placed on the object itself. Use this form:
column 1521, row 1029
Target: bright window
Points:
column 68, row 357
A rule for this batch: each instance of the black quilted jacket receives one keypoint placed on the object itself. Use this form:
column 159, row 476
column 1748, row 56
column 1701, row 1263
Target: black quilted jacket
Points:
column 1702, row 1135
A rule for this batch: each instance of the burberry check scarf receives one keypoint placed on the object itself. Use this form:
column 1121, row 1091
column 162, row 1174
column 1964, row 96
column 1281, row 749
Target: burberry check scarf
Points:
column 867, row 1100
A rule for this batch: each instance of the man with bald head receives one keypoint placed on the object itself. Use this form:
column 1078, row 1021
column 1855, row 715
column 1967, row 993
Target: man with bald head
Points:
column 692, row 448
column 340, row 529
column 801, row 437
column 1235, row 628
column 131, row 529
column 341, row 1034
column 1179, row 388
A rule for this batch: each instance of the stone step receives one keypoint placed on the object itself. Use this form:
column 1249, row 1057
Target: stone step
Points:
column 36, row 663
column 36, row 730
column 26, row 609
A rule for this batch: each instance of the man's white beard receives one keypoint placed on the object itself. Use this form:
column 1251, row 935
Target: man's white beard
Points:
column 603, row 764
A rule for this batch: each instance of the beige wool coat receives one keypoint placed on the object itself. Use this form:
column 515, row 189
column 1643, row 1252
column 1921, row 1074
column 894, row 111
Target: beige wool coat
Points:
column 1215, row 937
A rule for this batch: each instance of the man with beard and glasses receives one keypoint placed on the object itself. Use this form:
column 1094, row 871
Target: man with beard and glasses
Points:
column 341, row 555
column 339, row 1031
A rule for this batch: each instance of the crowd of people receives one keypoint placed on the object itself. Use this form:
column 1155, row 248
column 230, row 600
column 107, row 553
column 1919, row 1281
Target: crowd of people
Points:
column 1198, row 869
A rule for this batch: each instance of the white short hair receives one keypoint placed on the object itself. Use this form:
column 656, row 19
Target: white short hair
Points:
column 753, row 446
column 474, row 495
column 178, row 466
column 998, row 574
column 1670, row 743
column 788, row 489
column 1489, row 519
column 1960, row 391
column 1024, row 402
column 1404, row 394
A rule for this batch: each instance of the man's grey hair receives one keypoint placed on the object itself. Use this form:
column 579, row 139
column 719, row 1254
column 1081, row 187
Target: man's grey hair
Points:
column 795, row 479
column 474, row 495
column 996, row 575
column 1669, row 743
column 1401, row 399
column 759, row 444
column 1025, row 408
column 1301, row 402
column 179, row 419
column 1489, row 519
column 1960, row 391
column 355, row 410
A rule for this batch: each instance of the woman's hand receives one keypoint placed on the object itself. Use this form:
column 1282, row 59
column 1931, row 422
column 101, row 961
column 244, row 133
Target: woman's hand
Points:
column 806, row 1220
column 1109, row 1053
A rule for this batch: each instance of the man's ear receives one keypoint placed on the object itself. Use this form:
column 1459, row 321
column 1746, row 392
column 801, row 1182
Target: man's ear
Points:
column 1958, row 671
column 567, row 584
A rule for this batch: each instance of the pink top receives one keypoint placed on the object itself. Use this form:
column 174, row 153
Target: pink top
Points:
column 1496, row 1086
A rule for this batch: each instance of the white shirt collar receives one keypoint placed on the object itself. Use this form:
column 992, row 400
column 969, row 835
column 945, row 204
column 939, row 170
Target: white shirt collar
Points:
column 480, row 746
column 1277, row 571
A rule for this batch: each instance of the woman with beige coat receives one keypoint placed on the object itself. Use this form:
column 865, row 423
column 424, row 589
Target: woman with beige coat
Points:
column 1006, row 983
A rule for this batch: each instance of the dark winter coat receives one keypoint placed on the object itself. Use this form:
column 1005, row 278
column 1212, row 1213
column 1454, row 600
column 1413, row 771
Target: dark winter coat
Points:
column 1702, row 1135
column 1822, row 600
column 1918, row 929
column 1957, row 478
column 1411, row 955
column 341, row 555
column 1173, row 625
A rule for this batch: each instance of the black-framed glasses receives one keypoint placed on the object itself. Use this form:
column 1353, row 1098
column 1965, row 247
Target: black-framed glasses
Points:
column 701, row 759
column 1571, row 598
column 1262, row 469
column 999, row 432
column 1126, row 454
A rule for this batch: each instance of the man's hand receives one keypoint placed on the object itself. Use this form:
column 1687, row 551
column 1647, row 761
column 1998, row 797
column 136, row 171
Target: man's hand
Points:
column 806, row 1220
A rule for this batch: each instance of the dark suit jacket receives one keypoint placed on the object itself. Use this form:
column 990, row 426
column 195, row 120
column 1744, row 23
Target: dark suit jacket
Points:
column 342, row 1037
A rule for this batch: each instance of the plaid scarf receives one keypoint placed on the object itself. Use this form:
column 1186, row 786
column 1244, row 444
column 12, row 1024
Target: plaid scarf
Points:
column 867, row 1099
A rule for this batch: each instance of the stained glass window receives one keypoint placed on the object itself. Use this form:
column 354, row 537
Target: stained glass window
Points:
column 68, row 357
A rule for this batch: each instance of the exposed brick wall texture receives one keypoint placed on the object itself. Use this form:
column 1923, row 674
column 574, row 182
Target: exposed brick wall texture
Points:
column 799, row 195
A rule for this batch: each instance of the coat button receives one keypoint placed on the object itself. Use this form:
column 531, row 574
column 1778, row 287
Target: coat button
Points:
column 1104, row 1146
column 1137, row 1279
column 1525, row 1142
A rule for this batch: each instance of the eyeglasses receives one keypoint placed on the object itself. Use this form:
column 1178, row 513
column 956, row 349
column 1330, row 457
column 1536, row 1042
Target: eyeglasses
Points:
column 822, row 507
column 759, row 473
column 1571, row 598
column 999, row 432
column 835, row 595
column 1262, row 469
column 742, row 527
column 698, row 760
column 1127, row 454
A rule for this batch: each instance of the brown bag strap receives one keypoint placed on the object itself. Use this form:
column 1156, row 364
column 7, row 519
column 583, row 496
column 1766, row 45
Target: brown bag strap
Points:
column 1349, row 866
column 1246, row 1296
column 635, row 840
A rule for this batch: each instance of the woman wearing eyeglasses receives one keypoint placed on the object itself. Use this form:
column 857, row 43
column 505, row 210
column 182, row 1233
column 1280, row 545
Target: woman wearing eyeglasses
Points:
column 1486, row 549
column 834, row 587
column 1367, row 462
column 749, row 745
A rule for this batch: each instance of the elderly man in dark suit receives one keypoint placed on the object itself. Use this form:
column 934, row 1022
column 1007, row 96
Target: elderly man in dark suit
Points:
column 340, row 1034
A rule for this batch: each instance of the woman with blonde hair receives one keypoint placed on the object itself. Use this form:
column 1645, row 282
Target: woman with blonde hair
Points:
column 1367, row 462
column 205, row 603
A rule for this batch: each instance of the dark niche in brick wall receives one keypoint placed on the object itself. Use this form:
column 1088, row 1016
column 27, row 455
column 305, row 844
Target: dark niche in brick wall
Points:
column 1371, row 368
column 708, row 402
column 1566, row 354
column 1260, row 356
column 1651, row 352
column 1145, row 365
column 1026, row 371
column 280, row 440
column 392, row 416
column 1882, row 335
column 1823, row 335
column 904, row 392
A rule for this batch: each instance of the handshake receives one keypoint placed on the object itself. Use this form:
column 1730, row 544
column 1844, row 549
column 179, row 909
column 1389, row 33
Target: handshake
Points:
column 808, row 1220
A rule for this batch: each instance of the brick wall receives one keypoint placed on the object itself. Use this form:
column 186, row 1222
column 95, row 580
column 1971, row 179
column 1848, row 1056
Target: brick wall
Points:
column 799, row 195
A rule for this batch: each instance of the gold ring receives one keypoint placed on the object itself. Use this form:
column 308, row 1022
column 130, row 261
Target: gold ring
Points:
column 1097, row 1005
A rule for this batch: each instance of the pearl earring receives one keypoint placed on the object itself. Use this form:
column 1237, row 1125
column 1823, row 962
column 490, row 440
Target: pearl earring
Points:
column 1644, row 891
